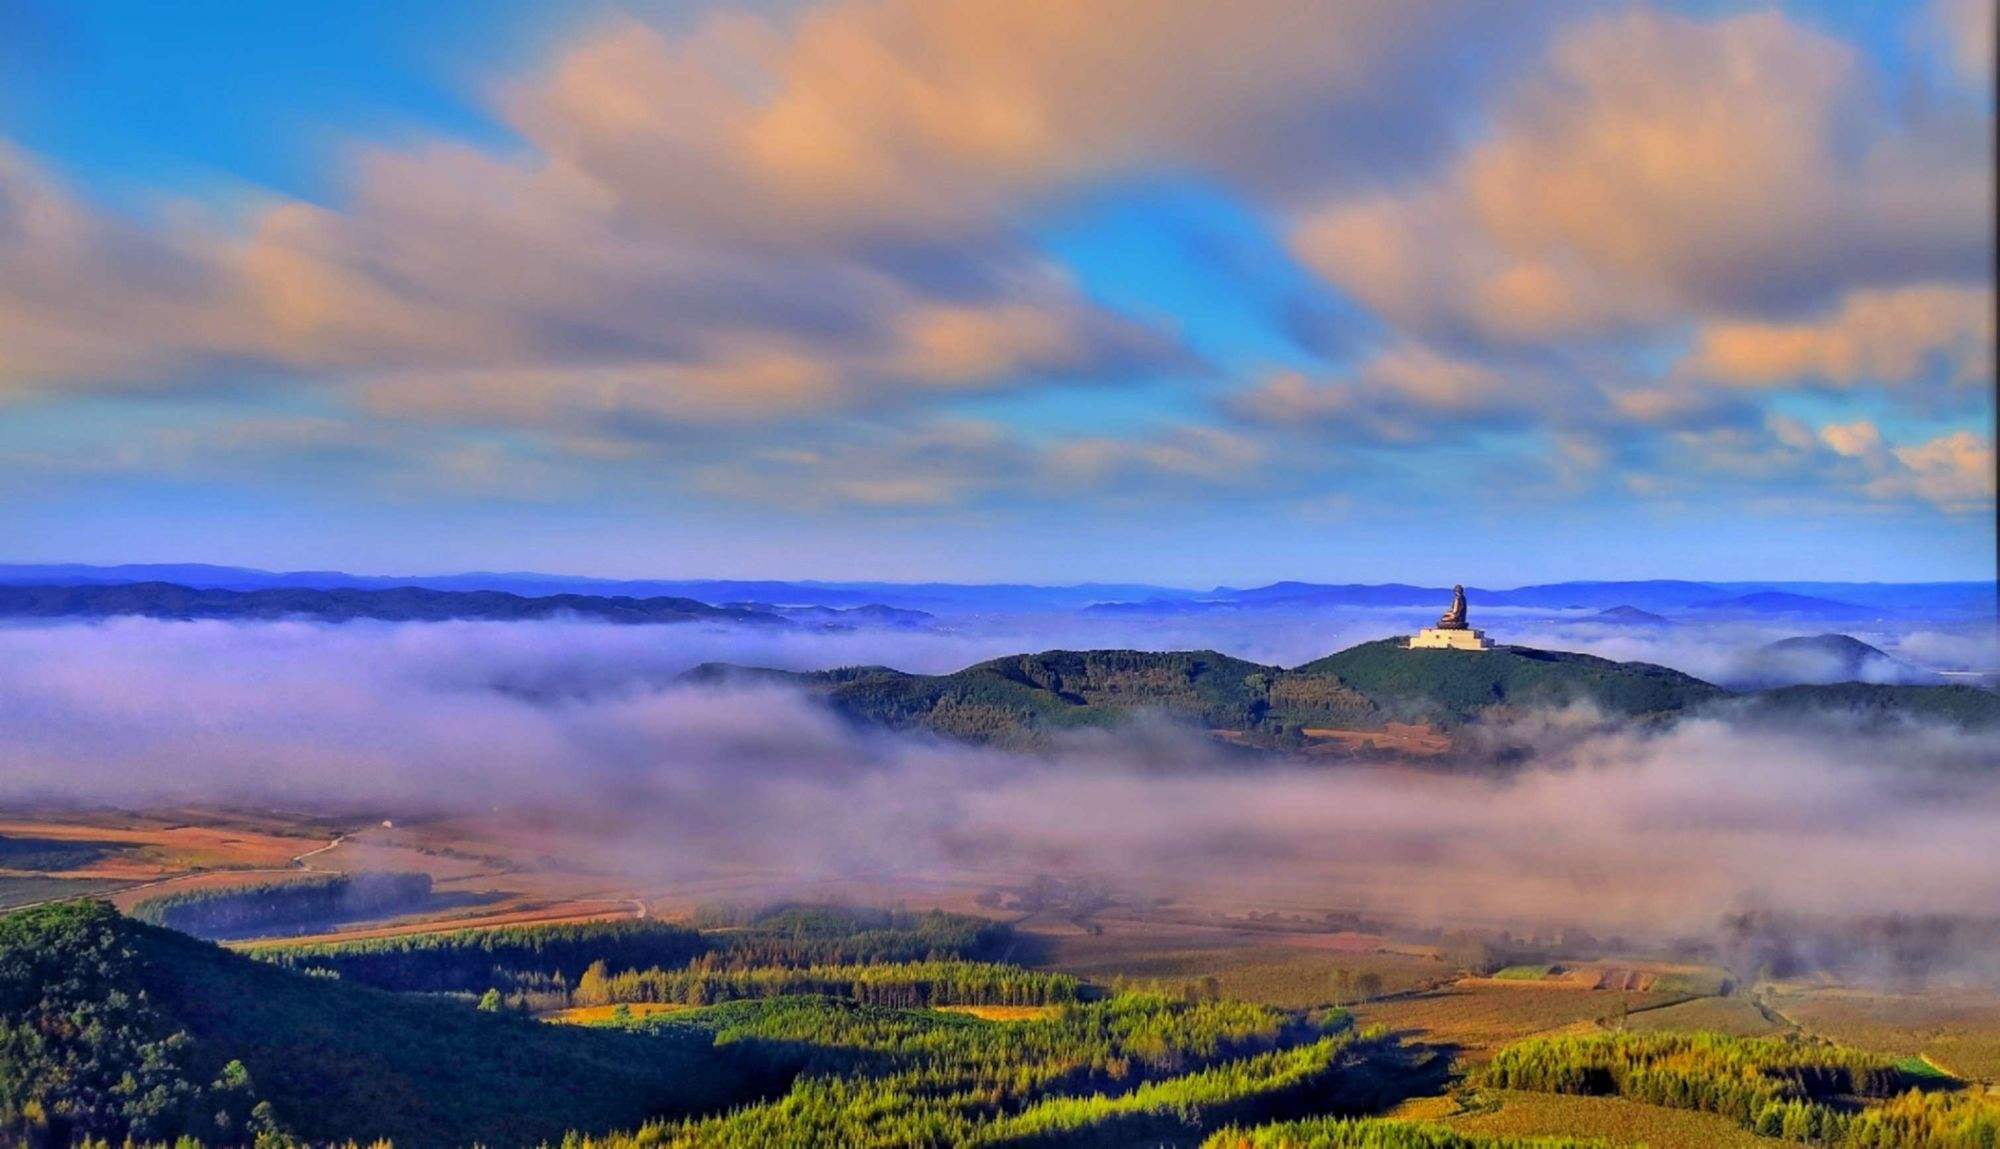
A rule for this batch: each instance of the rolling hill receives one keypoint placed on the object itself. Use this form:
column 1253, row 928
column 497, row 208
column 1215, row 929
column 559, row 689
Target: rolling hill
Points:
column 1453, row 686
column 1628, row 616
column 110, row 1027
column 1822, row 659
column 1024, row 699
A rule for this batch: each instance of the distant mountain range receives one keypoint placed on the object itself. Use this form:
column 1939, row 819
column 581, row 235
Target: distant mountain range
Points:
column 1786, row 603
column 915, row 596
column 1023, row 699
column 1707, row 600
column 872, row 615
column 399, row 604
column 1654, row 599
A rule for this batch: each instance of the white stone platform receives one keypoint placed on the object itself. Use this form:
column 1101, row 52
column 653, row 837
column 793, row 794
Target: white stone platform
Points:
column 1433, row 638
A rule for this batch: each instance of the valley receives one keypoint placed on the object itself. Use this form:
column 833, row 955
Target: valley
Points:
column 1274, row 1015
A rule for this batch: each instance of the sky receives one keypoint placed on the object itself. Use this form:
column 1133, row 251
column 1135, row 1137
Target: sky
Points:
column 1001, row 289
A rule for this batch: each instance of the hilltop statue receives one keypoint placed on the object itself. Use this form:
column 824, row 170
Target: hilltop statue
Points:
column 1452, row 632
column 1454, row 619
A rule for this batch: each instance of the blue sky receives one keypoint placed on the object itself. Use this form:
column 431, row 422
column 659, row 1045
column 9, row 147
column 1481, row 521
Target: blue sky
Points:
column 900, row 290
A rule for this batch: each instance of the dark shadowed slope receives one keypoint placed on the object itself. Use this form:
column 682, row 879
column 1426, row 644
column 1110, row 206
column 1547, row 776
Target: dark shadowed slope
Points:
column 326, row 1060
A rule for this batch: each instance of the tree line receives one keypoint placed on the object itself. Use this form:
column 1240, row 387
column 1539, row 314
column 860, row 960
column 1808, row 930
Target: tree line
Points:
column 538, row 965
column 907, row 985
column 1797, row 1089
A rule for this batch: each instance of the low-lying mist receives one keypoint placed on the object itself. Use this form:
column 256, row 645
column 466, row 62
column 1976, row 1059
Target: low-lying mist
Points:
column 1648, row 831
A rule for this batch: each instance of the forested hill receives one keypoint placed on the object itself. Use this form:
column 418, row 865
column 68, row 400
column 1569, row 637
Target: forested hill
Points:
column 397, row 604
column 1454, row 685
column 1022, row 699
column 111, row 1027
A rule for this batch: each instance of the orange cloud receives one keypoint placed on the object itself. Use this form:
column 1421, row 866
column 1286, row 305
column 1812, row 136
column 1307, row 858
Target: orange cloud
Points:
column 1659, row 167
column 1896, row 336
column 1854, row 440
column 876, row 117
column 1954, row 471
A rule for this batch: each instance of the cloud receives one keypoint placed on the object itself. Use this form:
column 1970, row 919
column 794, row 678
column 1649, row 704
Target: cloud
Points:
column 467, row 288
column 949, row 463
column 796, row 238
column 85, row 296
column 1964, row 29
column 1898, row 336
column 1804, row 469
column 754, row 218
column 1659, row 168
column 1414, row 394
column 863, row 121
column 1954, row 471
column 1853, row 440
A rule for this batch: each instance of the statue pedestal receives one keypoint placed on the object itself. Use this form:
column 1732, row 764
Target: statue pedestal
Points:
column 1432, row 638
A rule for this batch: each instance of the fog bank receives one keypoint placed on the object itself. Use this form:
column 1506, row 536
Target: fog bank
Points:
column 1605, row 827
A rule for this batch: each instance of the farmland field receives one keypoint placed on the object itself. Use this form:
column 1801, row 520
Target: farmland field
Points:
column 1959, row 1030
column 1483, row 1014
column 1736, row 1016
column 1290, row 971
column 22, row 891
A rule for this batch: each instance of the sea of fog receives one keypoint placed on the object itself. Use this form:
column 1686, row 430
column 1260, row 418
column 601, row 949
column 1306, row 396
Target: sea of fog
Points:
column 1614, row 826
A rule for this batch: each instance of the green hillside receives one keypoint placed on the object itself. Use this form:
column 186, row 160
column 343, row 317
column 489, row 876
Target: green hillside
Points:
column 110, row 1027
column 1065, row 689
column 1023, row 699
column 1452, row 686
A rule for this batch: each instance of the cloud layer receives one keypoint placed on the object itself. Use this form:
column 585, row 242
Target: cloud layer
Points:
column 805, row 262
